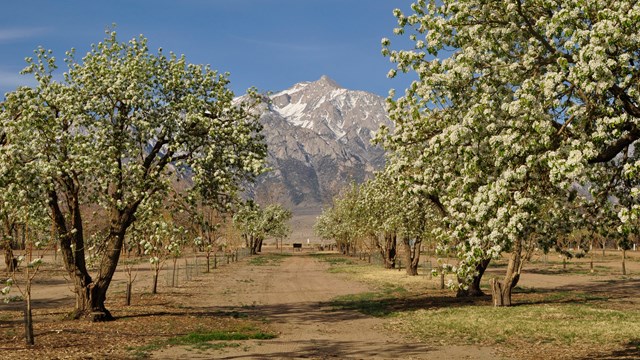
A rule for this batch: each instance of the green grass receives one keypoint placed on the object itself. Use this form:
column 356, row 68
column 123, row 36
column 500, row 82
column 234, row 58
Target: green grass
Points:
column 204, row 337
column 570, row 296
column 376, row 304
column 203, row 340
column 560, row 319
column 559, row 324
column 268, row 259
column 333, row 259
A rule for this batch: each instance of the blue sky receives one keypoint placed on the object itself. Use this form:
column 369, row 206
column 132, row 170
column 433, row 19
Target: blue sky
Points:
column 269, row 44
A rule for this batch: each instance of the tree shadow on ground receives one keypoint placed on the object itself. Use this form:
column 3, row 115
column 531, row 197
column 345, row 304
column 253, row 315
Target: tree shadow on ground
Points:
column 39, row 304
column 630, row 351
column 616, row 288
column 329, row 349
column 384, row 306
column 197, row 313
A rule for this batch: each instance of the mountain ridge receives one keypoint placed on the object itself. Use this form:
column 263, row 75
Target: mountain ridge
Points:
column 319, row 139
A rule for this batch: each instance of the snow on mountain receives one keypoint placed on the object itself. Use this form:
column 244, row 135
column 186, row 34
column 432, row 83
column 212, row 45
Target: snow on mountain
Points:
column 319, row 139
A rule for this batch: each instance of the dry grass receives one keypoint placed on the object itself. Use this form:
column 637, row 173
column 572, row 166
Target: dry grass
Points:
column 563, row 324
column 159, row 321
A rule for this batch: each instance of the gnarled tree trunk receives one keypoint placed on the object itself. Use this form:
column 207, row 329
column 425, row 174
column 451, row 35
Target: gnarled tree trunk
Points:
column 474, row 287
column 121, row 220
column 8, row 236
column 259, row 245
column 501, row 290
column 72, row 249
column 90, row 293
column 412, row 254
column 253, row 244
column 9, row 260
column 388, row 251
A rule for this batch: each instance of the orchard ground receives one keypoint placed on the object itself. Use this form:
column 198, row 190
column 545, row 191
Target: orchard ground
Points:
column 284, row 304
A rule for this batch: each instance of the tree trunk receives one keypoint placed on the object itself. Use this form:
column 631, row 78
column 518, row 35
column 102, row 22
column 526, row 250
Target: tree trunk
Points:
column 474, row 287
column 9, row 260
column 154, row 288
column 128, row 297
column 592, row 254
column 501, row 290
column 28, row 318
column 252, row 245
column 412, row 255
column 389, row 251
column 107, row 268
column 72, row 250
column 260, row 240
column 624, row 257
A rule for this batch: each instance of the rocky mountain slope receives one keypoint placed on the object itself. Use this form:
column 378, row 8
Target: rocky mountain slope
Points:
column 319, row 138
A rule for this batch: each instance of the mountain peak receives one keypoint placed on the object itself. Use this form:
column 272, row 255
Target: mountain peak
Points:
column 319, row 139
column 327, row 81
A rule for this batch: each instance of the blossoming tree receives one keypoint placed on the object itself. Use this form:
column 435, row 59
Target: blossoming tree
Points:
column 257, row 223
column 515, row 101
column 114, row 131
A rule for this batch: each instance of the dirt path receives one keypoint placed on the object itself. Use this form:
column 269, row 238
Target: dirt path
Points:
column 292, row 297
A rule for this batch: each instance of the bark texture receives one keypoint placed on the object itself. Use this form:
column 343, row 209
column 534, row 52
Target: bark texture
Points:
column 412, row 254
column 388, row 250
column 501, row 290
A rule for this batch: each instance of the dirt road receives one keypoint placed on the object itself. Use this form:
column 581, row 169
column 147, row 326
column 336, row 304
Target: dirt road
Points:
column 293, row 297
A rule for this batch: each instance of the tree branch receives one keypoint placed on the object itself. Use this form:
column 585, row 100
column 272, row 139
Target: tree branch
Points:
column 627, row 103
column 614, row 149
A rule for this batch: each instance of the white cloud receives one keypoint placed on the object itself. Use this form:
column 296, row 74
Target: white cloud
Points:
column 10, row 80
column 21, row 33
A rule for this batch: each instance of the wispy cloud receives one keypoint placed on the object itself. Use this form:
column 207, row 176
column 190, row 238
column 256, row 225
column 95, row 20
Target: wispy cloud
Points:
column 283, row 45
column 21, row 33
column 10, row 80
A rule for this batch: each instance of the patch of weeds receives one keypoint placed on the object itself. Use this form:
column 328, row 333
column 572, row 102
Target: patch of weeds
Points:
column 394, row 290
column 202, row 340
column 10, row 333
column 575, row 297
column 14, row 298
column 339, row 261
column 197, row 338
column 376, row 304
column 333, row 259
column 144, row 351
column 249, row 306
column 214, row 346
column 268, row 259
column 522, row 290
column 563, row 324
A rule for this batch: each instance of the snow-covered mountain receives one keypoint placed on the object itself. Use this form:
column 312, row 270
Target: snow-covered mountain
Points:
column 319, row 139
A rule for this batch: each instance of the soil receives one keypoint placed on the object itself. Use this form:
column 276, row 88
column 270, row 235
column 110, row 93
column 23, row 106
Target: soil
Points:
column 290, row 298
column 293, row 298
